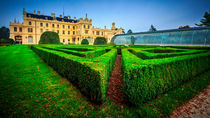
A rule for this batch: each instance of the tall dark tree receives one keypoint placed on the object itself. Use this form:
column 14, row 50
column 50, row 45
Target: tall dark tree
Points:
column 4, row 33
column 152, row 29
column 129, row 31
column 206, row 20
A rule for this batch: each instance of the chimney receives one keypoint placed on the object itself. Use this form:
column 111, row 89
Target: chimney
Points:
column 75, row 18
column 15, row 20
column 34, row 11
column 60, row 16
column 104, row 27
column 38, row 12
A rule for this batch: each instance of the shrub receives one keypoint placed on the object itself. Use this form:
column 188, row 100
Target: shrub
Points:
column 91, row 76
column 111, row 43
column 85, row 41
column 49, row 37
column 146, row 79
column 6, row 41
column 100, row 41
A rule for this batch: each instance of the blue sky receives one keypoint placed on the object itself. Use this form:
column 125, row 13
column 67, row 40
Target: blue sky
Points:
column 137, row 15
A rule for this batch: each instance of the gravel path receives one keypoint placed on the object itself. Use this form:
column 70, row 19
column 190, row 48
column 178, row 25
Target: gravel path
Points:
column 198, row 107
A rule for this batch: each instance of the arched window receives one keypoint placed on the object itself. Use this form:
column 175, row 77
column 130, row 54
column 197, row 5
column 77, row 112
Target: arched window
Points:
column 30, row 39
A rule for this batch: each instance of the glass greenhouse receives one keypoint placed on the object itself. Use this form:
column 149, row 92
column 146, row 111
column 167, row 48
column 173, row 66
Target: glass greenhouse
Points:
column 190, row 36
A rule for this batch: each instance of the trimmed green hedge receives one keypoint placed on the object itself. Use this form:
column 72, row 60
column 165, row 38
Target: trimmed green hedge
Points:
column 100, row 41
column 149, row 54
column 49, row 37
column 85, row 41
column 147, row 79
column 90, row 75
column 87, row 54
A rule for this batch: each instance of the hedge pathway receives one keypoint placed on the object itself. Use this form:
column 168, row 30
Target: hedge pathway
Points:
column 116, row 84
column 198, row 107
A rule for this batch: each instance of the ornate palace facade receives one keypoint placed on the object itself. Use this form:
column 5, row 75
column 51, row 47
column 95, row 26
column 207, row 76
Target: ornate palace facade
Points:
column 71, row 31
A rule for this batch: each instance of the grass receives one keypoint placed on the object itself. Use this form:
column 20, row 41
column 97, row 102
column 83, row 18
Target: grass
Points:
column 29, row 87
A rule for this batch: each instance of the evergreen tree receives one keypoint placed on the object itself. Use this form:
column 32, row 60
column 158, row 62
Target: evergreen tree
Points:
column 152, row 29
column 206, row 20
column 129, row 31
column 4, row 33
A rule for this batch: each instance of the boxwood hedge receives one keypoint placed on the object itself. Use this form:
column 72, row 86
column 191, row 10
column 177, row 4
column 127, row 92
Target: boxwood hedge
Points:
column 90, row 75
column 147, row 79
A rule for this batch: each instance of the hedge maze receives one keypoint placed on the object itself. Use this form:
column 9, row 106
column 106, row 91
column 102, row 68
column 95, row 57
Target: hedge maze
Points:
column 148, row 71
column 87, row 67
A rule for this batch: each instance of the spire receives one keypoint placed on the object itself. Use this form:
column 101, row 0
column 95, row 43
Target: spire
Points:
column 63, row 11
column 86, row 15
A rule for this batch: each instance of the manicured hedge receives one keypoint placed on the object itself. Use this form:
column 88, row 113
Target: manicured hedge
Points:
column 146, row 54
column 49, row 37
column 87, row 54
column 147, row 79
column 85, row 41
column 90, row 75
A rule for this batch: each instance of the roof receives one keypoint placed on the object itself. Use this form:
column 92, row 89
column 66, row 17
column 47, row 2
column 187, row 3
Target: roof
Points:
column 163, row 31
column 65, row 19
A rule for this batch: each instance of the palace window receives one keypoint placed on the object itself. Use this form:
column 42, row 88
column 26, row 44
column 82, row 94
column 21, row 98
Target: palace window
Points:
column 30, row 30
column 57, row 26
column 73, row 32
column 30, row 39
column 68, row 41
column 63, row 40
column 73, row 27
column 63, row 26
column 97, row 32
column 68, row 32
column 58, row 31
column 46, row 24
column 53, row 25
column 41, row 30
column 15, row 29
column 78, row 39
column 29, row 22
column 41, row 24
column 93, row 32
column 88, row 27
column 86, row 31
column 63, row 32
column 20, row 29
column 101, row 33
column 68, row 27
column 84, row 26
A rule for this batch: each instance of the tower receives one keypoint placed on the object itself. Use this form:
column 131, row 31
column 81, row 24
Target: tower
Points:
column 113, row 26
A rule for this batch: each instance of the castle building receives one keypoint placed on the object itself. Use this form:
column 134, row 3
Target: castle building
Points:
column 70, row 31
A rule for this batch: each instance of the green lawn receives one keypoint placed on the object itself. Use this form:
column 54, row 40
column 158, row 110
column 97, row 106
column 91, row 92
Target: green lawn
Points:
column 29, row 87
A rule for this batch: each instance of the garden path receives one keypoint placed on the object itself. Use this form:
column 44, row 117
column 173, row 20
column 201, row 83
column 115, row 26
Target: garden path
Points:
column 116, row 84
column 198, row 107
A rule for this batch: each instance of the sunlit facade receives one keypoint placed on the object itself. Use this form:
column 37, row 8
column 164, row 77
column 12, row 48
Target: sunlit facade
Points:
column 71, row 31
